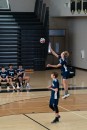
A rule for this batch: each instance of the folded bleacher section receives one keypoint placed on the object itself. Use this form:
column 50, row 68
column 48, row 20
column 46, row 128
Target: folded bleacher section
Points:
column 20, row 34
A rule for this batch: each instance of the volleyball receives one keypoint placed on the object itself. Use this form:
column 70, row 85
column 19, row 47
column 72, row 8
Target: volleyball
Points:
column 42, row 40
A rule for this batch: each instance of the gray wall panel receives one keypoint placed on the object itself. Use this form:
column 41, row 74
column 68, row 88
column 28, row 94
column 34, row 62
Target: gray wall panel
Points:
column 22, row 5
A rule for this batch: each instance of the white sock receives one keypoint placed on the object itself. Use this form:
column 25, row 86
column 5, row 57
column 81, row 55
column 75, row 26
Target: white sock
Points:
column 28, row 84
column 13, row 87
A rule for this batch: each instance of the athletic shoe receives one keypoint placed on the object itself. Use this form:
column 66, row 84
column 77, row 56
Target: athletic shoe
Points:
column 65, row 96
column 18, row 87
column 28, row 87
column 55, row 120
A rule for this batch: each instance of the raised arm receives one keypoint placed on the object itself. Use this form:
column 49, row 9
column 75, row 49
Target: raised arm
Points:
column 53, row 52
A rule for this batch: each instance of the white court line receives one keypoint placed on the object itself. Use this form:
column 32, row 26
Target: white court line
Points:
column 73, row 112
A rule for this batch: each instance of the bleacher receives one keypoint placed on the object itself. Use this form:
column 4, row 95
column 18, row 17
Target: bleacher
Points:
column 20, row 34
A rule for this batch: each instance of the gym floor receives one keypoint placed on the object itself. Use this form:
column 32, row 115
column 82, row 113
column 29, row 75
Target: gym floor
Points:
column 30, row 110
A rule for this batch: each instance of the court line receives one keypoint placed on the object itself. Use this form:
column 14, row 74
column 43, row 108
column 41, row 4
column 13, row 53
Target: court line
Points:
column 16, row 100
column 73, row 112
column 36, row 122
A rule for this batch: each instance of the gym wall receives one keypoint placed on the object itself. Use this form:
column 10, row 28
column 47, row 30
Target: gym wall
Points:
column 22, row 5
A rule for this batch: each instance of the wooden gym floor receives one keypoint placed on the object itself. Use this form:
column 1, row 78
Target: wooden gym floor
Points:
column 30, row 110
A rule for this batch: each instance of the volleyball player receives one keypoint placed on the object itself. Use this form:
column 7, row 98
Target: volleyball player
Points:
column 54, row 99
column 64, row 70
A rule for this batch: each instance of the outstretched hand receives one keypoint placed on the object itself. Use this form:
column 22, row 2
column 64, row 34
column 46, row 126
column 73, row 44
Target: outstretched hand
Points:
column 49, row 87
column 48, row 65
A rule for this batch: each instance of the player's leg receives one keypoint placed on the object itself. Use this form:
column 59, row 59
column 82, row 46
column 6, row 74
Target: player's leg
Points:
column 18, row 83
column 57, row 116
column 51, row 104
column 7, row 80
column 11, row 83
column 65, row 85
column 27, row 79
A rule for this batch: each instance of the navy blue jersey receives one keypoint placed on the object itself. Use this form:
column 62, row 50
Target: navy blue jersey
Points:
column 3, row 74
column 63, row 63
column 20, row 70
column 55, row 84
column 11, row 72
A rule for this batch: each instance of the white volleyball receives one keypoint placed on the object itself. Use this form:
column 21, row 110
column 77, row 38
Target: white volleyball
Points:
column 42, row 40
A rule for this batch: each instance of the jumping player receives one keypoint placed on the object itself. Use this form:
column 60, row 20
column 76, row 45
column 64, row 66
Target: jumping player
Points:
column 64, row 70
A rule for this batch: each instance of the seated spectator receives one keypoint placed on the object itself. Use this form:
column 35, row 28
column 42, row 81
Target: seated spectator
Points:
column 4, row 77
column 21, row 77
column 11, row 75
